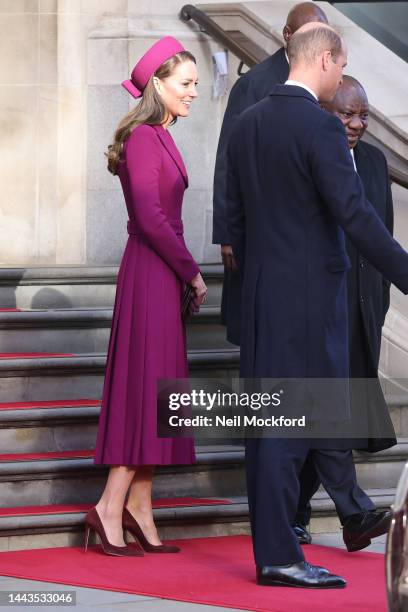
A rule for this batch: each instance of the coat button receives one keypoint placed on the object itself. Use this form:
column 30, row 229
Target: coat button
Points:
column 361, row 298
column 362, row 263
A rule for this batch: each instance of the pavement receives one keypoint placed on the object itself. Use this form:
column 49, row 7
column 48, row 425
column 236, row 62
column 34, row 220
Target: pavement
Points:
column 91, row 600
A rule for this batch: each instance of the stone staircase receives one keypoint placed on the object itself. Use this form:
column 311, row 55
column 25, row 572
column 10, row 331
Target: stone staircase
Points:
column 54, row 330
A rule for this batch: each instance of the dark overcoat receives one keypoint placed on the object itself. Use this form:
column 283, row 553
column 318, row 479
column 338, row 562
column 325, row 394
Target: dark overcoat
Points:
column 286, row 229
column 368, row 290
column 250, row 88
column 368, row 303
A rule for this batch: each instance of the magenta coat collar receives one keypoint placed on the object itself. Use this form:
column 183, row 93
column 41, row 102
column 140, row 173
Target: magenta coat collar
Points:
column 169, row 144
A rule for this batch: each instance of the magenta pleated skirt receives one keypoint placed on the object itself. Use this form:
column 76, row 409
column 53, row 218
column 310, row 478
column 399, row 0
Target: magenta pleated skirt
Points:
column 147, row 342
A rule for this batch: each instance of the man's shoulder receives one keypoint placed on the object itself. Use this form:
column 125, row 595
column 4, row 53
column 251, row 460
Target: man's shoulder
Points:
column 296, row 99
column 368, row 151
column 254, row 111
column 272, row 65
column 297, row 110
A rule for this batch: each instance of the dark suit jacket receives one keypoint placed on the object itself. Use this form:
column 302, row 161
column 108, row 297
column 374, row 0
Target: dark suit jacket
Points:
column 250, row 88
column 368, row 290
column 286, row 229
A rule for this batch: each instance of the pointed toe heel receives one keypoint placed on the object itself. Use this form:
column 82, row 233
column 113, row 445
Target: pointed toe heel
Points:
column 87, row 532
column 94, row 523
column 131, row 525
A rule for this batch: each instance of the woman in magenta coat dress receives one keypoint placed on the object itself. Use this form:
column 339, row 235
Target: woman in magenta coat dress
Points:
column 147, row 339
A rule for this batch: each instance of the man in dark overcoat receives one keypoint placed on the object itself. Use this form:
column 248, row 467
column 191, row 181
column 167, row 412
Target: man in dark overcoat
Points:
column 368, row 291
column 250, row 88
column 287, row 234
column 246, row 91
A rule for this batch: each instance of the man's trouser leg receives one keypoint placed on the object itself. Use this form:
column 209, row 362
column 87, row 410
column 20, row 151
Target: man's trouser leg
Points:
column 272, row 467
column 309, row 482
column 337, row 472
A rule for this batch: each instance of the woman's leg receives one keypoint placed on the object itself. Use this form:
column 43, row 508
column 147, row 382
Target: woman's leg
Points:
column 110, row 506
column 139, row 502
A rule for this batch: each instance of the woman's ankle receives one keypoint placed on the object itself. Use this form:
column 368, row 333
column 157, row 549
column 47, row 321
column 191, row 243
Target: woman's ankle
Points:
column 142, row 510
column 109, row 511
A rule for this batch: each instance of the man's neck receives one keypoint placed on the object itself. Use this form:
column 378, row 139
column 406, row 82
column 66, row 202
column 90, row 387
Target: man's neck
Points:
column 306, row 79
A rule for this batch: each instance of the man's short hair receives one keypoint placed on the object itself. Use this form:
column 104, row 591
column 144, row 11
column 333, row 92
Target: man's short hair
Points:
column 307, row 46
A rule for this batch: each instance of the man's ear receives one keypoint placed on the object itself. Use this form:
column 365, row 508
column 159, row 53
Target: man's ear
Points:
column 287, row 33
column 326, row 59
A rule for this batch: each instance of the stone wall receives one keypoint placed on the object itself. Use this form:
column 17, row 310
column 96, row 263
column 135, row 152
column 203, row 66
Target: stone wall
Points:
column 61, row 64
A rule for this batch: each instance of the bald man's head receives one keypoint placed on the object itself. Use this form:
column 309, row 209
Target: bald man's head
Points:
column 350, row 104
column 349, row 89
column 311, row 40
column 317, row 55
column 302, row 13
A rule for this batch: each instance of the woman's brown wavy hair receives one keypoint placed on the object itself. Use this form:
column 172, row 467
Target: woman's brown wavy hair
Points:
column 150, row 110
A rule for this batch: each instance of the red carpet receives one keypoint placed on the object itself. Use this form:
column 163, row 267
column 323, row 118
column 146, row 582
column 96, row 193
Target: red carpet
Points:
column 83, row 403
column 33, row 355
column 10, row 309
column 172, row 502
column 215, row 571
column 53, row 455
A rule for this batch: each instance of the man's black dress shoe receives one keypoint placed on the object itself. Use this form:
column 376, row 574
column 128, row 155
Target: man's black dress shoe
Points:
column 301, row 575
column 302, row 534
column 360, row 528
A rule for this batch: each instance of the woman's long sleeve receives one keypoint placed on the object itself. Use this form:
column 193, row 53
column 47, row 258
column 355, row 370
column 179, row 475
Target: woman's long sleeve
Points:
column 143, row 158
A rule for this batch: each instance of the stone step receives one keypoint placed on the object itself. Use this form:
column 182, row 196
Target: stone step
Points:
column 64, row 528
column 77, row 286
column 382, row 469
column 59, row 426
column 87, row 330
column 71, row 330
column 71, row 424
column 70, row 476
column 67, row 529
column 57, row 287
column 50, row 378
column 54, row 426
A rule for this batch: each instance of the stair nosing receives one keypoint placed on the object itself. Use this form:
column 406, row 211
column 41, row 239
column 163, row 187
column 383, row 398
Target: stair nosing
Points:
column 237, row 508
column 55, row 466
column 32, row 416
column 231, row 510
column 81, row 274
column 64, row 318
column 85, row 361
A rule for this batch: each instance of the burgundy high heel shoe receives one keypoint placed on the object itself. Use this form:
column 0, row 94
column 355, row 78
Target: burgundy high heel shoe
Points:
column 93, row 522
column 130, row 524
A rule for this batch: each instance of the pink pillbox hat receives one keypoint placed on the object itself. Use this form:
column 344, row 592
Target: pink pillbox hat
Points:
column 158, row 53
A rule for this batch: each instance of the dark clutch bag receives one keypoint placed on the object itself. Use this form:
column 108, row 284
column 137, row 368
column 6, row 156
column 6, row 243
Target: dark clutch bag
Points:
column 188, row 296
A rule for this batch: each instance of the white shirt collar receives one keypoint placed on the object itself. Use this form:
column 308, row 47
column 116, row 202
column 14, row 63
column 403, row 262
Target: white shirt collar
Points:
column 299, row 84
column 354, row 159
column 286, row 55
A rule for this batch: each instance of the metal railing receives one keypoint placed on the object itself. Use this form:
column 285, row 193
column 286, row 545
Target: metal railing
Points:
column 399, row 177
column 208, row 25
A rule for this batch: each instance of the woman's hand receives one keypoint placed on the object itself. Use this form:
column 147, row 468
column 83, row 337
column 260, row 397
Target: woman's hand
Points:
column 200, row 290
